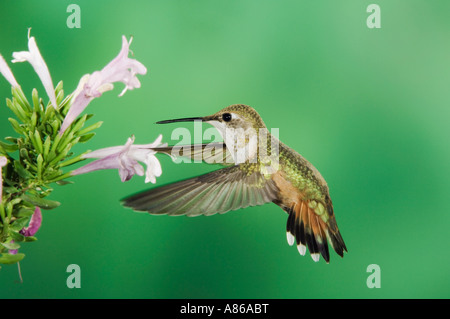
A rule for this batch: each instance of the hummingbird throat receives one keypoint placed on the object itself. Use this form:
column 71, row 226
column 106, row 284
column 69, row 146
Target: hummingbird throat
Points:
column 247, row 144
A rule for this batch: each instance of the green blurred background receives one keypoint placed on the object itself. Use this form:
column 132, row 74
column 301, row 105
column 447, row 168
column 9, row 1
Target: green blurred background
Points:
column 368, row 107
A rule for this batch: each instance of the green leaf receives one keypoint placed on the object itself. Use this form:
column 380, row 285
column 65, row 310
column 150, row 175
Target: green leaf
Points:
column 90, row 128
column 64, row 141
column 41, row 202
column 13, row 105
column 30, row 166
column 59, row 87
column 30, row 238
column 35, row 98
column 52, row 173
column 2, row 213
column 8, row 147
column 24, row 212
column 33, row 120
column 59, row 178
column 47, row 146
column 24, row 154
column 61, row 155
column 62, row 183
column 16, row 201
column 49, row 115
column 37, row 138
column 55, row 125
column 16, row 126
column 11, row 139
column 39, row 161
column 20, row 223
column 9, row 209
column 59, row 97
column 86, row 137
column 10, row 245
column 74, row 160
column 10, row 189
column 18, row 94
column 21, row 170
column 19, row 111
column 52, row 153
column 79, row 123
column 65, row 105
column 11, row 259
column 17, row 236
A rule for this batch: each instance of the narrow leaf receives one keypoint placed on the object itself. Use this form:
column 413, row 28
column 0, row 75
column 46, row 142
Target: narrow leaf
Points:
column 16, row 126
column 90, row 128
column 11, row 259
column 41, row 202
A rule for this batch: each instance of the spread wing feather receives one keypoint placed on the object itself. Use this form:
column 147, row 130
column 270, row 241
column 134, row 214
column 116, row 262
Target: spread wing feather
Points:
column 220, row 191
column 212, row 153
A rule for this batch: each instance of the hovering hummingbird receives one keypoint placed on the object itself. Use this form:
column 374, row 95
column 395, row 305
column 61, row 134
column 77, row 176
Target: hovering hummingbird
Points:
column 290, row 182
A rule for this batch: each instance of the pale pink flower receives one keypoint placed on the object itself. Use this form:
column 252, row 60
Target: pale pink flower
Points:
column 125, row 158
column 6, row 72
column 121, row 69
column 34, row 57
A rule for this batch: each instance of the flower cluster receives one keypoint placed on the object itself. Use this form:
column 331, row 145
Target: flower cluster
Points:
column 38, row 156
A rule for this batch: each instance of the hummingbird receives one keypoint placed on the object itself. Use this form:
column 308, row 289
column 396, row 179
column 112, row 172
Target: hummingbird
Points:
column 262, row 174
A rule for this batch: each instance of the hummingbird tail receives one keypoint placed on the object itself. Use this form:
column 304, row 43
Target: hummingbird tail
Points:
column 309, row 230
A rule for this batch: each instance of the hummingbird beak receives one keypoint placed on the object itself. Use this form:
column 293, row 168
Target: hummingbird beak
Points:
column 186, row 119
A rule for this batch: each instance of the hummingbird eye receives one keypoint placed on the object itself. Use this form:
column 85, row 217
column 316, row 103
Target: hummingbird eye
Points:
column 226, row 117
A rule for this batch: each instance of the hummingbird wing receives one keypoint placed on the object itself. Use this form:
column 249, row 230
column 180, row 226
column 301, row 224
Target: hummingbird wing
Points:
column 220, row 191
column 212, row 153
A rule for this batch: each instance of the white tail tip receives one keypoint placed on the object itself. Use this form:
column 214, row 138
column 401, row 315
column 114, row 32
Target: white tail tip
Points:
column 290, row 238
column 301, row 249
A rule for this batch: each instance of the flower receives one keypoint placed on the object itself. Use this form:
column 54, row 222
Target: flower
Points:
column 33, row 227
column 126, row 158
column 34, row 57
column 120, row 69
column 6, row 71
column 3, row 162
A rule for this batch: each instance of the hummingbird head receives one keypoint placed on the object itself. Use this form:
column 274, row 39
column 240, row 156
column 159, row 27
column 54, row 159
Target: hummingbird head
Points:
column 238, row 124
column 233, row 116
column 237, row 116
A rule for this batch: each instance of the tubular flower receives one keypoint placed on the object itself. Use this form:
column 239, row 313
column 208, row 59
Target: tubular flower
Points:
column 34, row 57
column 125, row 158
column 6, row 72
column 120, row 69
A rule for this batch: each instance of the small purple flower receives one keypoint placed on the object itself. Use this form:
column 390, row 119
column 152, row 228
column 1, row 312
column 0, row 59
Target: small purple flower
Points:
column 126, row 158
column 120, row 69
column 6, row 72
column 34, row 57
column 33, row 227
column 13, row 251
